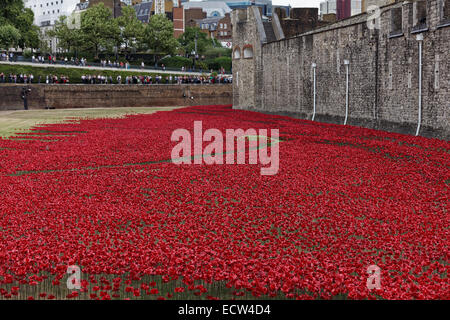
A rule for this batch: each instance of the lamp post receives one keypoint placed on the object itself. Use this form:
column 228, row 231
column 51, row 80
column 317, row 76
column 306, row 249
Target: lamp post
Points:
column 314, row 65
column 419, row 38
column 195, row 50
column 346, row 63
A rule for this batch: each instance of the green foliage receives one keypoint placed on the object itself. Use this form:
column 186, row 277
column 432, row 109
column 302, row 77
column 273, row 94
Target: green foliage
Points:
column 13, row 13
column 69, row 39
column 9, row 36
column 30, row 37
column 214, row 52
column 27, row 53
column 97, row 33
column 98, row 28
column 201, row 65
column 10, row 10
column 158, row 35
column 131, row 29
column 74, row 74
column 175, row 62
column 187, row 40
column 29, row 32
column 43, row 44
column 219, row 62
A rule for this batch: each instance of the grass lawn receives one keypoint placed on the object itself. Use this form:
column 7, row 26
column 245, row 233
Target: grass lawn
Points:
column 74, row 74
column 12, row 122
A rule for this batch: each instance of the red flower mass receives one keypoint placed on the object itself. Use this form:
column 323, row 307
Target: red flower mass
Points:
column 103, row 194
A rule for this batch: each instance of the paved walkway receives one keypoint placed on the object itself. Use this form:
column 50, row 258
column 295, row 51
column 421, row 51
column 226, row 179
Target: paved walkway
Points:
column 137, row 70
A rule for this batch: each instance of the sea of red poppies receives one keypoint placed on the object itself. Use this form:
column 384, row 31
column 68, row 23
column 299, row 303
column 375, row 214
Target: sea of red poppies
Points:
column 103, row 194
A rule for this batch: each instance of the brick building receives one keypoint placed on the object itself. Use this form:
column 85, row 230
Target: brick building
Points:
column 216, row 27
column 224, row 28
column 191, row 16
column 178, row 18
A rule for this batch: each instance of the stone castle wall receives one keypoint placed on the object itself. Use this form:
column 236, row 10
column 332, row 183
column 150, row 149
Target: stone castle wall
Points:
column 383, row 72
column 110, row 96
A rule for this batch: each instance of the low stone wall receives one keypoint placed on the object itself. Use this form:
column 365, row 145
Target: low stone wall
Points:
column 110, row 96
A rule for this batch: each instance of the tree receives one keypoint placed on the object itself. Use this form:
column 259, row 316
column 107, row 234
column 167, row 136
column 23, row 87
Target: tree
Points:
column 30, row 37
column 13, row 12
column 158, row 35
column 131, row 29
column 69, row 39
column 10, row 10
column 211, row 53
column 9, row 36
column 29, row 32
column 43, row 44
column 98, row 28
column 187, row 40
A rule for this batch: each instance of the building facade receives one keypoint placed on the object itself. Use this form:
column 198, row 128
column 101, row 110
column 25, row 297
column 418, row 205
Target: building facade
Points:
column 342, row 8
column 327, row 7
column 212, row 8
column 216, row 27
column 46, row 12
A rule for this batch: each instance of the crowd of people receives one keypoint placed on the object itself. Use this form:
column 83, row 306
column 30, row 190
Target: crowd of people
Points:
column 53, row 59
column 8, row 57
column 29, row 78
column 159, row 79
column 102, row 79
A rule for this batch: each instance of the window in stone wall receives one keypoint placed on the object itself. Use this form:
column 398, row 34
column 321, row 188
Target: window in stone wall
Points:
column 248, row 52
column 237, row 53
column 445, row 11
column 396, row 21
column 420, row 15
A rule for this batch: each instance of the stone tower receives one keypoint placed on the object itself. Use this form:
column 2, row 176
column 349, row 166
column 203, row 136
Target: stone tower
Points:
column 249, row 33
